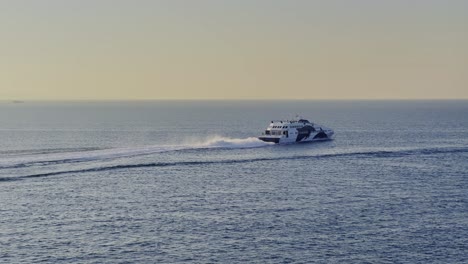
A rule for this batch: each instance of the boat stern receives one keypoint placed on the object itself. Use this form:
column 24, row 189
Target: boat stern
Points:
column 270, row 139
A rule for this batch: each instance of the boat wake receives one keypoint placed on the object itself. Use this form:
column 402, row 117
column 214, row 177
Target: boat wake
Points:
column 225, row 142
column 361, row 154
column 49, row 157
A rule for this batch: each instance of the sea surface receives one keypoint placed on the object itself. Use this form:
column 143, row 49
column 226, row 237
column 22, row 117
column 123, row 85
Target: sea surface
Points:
column 188, row 182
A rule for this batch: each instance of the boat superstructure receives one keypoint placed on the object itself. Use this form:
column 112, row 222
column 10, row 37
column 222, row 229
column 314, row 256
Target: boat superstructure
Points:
column 297, row 130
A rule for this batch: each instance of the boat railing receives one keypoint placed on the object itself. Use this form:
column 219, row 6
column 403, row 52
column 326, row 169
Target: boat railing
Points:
column 286, row 121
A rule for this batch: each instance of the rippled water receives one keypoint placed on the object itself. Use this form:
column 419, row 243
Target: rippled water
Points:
column 173, row 182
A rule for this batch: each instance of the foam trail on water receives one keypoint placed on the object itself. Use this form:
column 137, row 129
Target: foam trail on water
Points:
column 225, row 142
column 105, row 154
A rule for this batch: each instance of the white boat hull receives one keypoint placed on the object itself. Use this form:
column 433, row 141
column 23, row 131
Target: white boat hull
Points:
column 296, row 138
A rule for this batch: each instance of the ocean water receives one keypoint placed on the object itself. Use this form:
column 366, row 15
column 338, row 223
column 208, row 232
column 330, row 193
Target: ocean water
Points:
column 188, row 182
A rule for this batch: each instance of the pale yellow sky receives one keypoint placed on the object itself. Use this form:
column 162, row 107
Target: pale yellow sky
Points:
column 242, row 49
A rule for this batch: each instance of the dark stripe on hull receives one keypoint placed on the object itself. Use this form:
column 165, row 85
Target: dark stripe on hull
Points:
column 321, row 135
column 303, row 133
column 268, row 139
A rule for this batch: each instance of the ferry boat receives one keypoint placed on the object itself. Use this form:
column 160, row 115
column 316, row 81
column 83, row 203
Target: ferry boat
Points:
column 297, row 130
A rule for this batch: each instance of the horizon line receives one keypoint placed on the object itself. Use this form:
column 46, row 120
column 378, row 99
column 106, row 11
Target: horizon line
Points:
column 225, row 99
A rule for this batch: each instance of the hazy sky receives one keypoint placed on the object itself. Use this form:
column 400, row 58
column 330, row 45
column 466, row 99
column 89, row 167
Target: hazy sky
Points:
column 238, row 49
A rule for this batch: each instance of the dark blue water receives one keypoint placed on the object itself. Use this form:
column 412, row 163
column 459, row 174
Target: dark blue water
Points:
column 173, row 182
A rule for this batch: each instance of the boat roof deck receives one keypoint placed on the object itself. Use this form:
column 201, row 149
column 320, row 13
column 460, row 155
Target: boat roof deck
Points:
column 291, row 121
